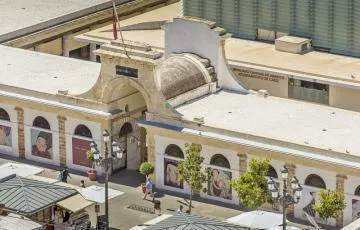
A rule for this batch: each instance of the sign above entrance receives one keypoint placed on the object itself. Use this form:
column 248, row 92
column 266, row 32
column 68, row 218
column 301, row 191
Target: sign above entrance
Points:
column 126, row 71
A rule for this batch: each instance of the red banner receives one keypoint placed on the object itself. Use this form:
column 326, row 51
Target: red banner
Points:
column 79, row 148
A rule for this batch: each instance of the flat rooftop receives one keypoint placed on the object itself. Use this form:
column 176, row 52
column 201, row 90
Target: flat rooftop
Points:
column 20, row 17
column 46, row 73
column 240, row 52
column 280, row 119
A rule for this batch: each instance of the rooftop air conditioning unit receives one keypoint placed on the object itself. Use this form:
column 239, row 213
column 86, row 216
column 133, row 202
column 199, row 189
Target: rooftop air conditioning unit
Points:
column 290, row 44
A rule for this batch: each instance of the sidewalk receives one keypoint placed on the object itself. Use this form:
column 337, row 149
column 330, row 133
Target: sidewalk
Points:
column 121, row 217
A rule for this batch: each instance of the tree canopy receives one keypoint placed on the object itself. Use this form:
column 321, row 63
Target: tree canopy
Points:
column 330, row 205
column 251, row 186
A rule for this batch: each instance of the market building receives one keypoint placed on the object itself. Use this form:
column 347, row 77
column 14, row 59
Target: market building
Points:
column 171, row 83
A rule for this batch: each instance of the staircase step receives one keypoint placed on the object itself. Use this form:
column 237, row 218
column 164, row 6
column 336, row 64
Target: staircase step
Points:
column 205, row 62
column 210, row 69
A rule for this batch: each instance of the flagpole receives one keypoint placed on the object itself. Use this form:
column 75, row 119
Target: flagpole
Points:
column 118, row 22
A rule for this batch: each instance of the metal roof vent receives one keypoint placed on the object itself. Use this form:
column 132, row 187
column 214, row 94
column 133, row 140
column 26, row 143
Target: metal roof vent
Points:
column 290, row 44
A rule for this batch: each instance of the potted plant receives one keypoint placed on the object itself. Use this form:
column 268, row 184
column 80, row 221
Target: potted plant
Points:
column 146, row 168
column 92, row 172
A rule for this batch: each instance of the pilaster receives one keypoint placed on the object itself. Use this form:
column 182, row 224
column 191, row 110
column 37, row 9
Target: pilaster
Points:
column 292, row 168
column 340, row 181
column 62, row 140
column 242, row 162
column 21, row 134
column 151, row 154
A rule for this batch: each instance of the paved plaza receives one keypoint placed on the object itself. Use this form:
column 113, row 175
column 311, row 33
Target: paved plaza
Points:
column 121, row 217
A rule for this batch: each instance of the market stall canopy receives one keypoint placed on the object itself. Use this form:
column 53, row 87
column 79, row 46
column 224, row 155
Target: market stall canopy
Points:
column 27, row 196
column 194, row 222
column 257, row 219
column 97, row 194
column 287, row 228
column 18, row 169
column 16, row 222
column 75, row 203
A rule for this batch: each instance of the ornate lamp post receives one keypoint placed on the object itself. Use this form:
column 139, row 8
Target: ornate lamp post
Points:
column 105, row 160
column 285, row 199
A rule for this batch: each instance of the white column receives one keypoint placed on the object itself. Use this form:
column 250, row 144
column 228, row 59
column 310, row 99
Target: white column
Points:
column 92, row 55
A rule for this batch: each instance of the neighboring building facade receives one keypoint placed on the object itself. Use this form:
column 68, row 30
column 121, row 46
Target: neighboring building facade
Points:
column 165, row 98
column 333, row 25
column 50, row 27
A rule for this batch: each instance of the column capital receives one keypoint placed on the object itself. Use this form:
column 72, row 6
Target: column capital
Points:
column 290, row 165
column 61, row 118
column 242, row 155
column 341, row 177
column 19, row 109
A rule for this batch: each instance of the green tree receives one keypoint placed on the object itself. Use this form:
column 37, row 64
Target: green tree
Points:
column 330, row 205
column 146, row 168
column 190, row 169
column 251, row 186
column 90, row 157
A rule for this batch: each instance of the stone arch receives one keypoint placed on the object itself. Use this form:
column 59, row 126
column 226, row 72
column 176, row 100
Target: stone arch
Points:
column 357, row 191
column 4, row 115
column 272, row 172
column 174, row 151
column 120, row 83
column 41, row 122
column 83, row 130
column 315, row 180
column 220, row 160
column 125, row 129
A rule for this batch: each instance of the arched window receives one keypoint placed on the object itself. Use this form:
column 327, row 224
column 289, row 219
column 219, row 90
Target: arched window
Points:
column 174, row 151
column 315, row 181
column 82, row 130
column 220, row 160
column 4, row 115
column 41, row 122
column 272, row 172
column 125, row 129
column 357, row 191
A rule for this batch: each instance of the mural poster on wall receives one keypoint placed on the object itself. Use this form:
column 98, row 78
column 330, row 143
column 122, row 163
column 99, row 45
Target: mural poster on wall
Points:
column 218, row 185
column 5, row 135
column 171, row 174
column 79, row 148
column 355, row 209
column 41, row 144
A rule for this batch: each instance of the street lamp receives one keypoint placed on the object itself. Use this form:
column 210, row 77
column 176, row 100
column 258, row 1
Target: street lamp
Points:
column 285, row 199
column 117, row 152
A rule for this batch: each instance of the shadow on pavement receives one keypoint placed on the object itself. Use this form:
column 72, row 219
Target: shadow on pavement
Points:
column 127, row 177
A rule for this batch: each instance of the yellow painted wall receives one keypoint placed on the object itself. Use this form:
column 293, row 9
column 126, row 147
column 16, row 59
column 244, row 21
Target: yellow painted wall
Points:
column 51, row 47
column 276, row 85
column 344, row 98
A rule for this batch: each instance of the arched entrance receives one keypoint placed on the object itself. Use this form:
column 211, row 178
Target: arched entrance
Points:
column 124, row 134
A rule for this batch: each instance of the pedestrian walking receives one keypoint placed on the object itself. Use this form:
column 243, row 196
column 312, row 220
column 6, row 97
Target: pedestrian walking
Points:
column 180, row 210
column 149, row 186
column 82, row 184
column 65, row 174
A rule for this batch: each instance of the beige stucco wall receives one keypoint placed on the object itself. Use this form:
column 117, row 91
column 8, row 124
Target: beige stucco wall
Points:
column 51, row 47
column 277, row 85
column 344, row 98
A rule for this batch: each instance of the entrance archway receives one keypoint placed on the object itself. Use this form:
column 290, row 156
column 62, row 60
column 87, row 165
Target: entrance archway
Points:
column 124, row 135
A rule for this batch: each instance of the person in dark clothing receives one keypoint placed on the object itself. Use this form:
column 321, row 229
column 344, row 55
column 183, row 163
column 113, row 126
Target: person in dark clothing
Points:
column 65, row 174
column 66, row 217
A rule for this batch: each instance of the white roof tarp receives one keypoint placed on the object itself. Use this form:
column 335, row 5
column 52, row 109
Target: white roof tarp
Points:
column 97, row 194
column 21, row 170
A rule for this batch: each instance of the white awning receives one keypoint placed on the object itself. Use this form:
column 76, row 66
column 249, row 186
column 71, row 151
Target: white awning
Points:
column 21, row 170
column 15, row 222
column 75, row 203
column 97, row 194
